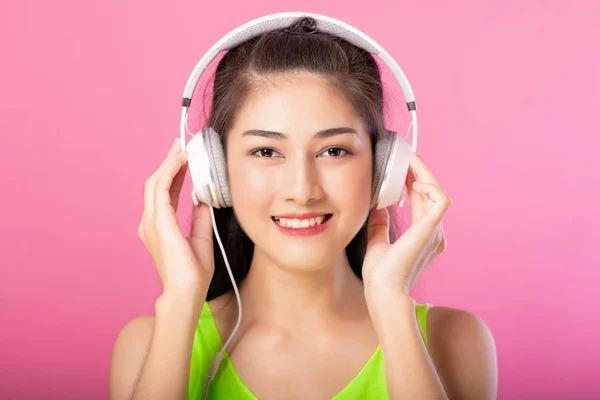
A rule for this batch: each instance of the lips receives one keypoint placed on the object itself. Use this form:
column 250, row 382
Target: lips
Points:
column 301, row 216
column 302, row 227
column 306, row 221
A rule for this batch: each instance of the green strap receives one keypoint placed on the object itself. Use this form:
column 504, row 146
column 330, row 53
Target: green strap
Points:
column 422, row 320
column 207, row 343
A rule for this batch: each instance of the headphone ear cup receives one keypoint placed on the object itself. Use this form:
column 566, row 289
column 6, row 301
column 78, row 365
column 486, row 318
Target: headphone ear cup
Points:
column 208, row 170
column 380, row 159
column 218, row 166
column 390, row 170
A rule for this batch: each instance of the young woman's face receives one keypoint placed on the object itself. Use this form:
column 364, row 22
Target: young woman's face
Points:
column 300, row 168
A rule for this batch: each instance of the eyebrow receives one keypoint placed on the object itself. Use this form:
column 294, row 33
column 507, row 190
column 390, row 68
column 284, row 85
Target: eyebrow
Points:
column 280, row 136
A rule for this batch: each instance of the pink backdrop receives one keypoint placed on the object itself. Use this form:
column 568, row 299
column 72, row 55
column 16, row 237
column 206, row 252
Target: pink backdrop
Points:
column 508, row 95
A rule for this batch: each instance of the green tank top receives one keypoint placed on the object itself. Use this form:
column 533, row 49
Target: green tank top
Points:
column 369, row 383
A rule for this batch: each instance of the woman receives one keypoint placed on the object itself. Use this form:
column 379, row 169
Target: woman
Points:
column 323, row 281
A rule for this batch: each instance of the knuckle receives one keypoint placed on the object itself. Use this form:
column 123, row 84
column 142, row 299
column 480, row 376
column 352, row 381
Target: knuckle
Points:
column 443, row 244
column 149, row 183
column 142, row 236
column 141, row 232
column 438, row 247
column 448, row 200
column 145, row 223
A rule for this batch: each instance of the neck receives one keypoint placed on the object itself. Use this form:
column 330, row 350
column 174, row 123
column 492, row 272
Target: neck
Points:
column 284, row 297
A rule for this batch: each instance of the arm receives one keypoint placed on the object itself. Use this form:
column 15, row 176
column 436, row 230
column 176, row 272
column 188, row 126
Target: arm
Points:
column 161, row 348
column 461, row 363
column 151, row 356
column 410, row 371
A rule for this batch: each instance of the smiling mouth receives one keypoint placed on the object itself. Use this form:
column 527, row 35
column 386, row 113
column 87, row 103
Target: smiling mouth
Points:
column 296, row 223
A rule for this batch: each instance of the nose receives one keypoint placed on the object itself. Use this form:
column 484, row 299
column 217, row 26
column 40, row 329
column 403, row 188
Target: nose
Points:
column 301, row 181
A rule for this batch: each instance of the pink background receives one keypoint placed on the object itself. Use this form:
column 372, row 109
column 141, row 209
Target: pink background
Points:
column 508, row 95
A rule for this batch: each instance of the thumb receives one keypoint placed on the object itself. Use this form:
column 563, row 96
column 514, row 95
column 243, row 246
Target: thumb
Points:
column 378, row 227
column 201, row 238
column 202, row 223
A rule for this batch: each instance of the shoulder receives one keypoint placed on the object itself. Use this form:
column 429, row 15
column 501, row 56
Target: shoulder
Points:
column 129, row 352
column 135, row 335
column 444, row 318
column 464, row 352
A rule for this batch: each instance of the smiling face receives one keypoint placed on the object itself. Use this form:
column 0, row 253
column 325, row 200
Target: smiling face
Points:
column 300, row 168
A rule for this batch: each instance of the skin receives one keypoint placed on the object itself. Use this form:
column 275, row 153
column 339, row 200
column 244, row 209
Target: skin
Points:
column 309, row 325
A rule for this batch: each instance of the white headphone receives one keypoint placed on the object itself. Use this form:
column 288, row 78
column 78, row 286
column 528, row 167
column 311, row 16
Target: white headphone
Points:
column 206, row 158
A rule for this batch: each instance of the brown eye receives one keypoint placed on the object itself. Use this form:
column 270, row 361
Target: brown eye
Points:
column 335, row 152
column 265, row 153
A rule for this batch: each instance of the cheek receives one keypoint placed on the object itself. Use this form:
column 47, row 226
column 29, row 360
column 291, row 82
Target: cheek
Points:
column 250, row 188
column 351, row 188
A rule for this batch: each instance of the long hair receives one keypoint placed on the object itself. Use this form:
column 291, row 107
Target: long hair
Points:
column 353, row 71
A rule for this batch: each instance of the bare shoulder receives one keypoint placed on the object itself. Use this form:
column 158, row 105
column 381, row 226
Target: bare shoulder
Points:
column 449, row 317
column 464, row 352
column 129, row 352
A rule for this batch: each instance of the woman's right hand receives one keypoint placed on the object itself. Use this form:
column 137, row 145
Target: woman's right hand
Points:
column 185, row 265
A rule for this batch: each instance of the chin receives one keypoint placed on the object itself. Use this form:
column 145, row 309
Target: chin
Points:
column 298, row 260
column 304, row 250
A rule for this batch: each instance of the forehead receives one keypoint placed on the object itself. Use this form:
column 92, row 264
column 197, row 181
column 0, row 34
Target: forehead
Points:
column 300, row 103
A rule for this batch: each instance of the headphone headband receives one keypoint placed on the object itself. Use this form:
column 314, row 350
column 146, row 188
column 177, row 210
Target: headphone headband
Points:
column 279, row 21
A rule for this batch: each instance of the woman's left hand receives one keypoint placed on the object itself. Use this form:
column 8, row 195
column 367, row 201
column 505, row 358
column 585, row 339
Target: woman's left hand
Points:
column 395, row 267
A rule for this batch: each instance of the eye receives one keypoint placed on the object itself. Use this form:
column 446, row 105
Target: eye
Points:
column 265, row 153
column 335, row 152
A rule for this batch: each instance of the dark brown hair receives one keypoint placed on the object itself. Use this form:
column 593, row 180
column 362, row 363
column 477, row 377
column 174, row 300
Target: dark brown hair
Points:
column 349, row 69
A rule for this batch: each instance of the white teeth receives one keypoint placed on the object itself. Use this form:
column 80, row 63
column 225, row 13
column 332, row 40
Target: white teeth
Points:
column 299, row 223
